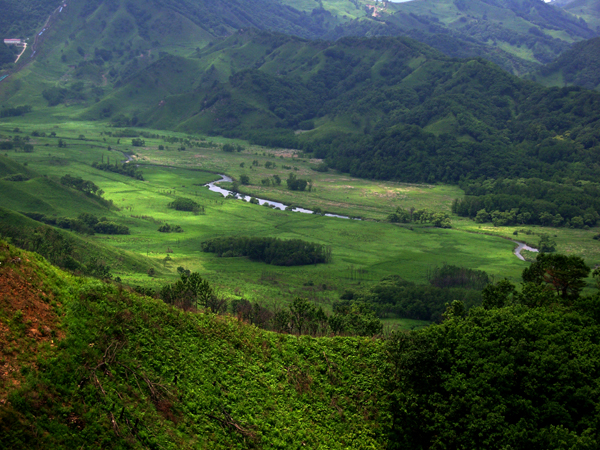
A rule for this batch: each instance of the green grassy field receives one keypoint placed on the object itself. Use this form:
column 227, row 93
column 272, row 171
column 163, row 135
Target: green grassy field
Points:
column 372, row 247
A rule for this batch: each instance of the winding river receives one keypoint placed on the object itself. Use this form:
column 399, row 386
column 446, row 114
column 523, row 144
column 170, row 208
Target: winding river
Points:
column 224, row 192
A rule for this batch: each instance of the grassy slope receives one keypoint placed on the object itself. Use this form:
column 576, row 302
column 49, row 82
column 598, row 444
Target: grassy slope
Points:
column 130, row 372
column 84, row 248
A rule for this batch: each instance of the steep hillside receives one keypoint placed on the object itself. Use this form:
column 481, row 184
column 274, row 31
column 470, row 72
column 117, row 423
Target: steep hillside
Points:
column 48, row 201
column 92, row 364
column 86, row 363
column 579, row 66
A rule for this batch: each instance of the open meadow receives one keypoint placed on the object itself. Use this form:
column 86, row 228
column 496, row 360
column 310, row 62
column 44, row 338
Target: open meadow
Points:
column 178, row 165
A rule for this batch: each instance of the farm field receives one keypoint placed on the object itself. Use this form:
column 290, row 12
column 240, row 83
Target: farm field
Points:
column 363, row 251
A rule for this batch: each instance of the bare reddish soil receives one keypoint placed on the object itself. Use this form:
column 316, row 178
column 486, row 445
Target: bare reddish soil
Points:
column 27, row 319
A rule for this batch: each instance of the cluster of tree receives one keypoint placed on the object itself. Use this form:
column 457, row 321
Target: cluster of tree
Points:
column 166, row 228
column 232, row 148
column 279, row 252
column 85, row 223
column 530, row 201
column 412, row 215
column 449, row 276
column 128, row 170
column 186, row 204
column 394, row 297
column 138, row 142
column 514, row 373
column 17, row 142
column 16, row 177
column 16, row 111
column 297, row 184
column 7, row 56
column 191, row 291
column 304, row 317
column 275, row 180
column 79, row 184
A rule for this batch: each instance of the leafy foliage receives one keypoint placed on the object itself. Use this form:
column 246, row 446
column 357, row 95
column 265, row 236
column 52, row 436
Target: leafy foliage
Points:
column 80, row 184
column 166, row 228
column 437, row 219
column 511, row 376
column 135, row 372
column 85, row 223
column 16, row 111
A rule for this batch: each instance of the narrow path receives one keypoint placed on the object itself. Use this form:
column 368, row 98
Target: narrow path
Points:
column 20, row 54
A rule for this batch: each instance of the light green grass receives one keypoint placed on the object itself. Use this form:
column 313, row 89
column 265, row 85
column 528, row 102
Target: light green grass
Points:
column 375, row 246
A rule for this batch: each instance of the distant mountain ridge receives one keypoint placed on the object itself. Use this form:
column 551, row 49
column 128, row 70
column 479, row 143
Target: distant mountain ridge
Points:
column 516, row 34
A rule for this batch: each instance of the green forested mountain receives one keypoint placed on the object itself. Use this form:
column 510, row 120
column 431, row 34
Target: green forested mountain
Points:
column 388, row 108
column 579, row 66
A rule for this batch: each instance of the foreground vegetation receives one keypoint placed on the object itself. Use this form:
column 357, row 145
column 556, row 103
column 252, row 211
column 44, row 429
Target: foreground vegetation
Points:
column 87, row 363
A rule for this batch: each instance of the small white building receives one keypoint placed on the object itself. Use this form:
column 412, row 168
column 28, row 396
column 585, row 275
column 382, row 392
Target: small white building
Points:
column 13, row 41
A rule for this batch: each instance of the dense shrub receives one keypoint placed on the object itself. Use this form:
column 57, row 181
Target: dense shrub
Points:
column 185, row 204
column 166, row 228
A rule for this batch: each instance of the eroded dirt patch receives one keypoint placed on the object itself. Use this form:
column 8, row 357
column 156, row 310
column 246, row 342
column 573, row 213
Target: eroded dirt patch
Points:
column 27, row 319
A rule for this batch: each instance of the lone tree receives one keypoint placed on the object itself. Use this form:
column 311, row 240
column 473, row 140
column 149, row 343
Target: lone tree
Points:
column 563, row 274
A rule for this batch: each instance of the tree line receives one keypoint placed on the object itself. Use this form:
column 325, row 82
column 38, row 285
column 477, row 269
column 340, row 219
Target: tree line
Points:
column 128, row 170
column 422, row 216
column 530, row 201
column 84, row 223
column 279, row 252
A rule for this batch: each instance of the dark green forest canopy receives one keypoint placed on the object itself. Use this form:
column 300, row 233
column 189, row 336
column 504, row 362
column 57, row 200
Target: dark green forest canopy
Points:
column 20, row 19
column 531, row 201
column 279, row 252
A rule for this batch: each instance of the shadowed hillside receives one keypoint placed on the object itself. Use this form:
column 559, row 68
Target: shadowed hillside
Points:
column 579, row 66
